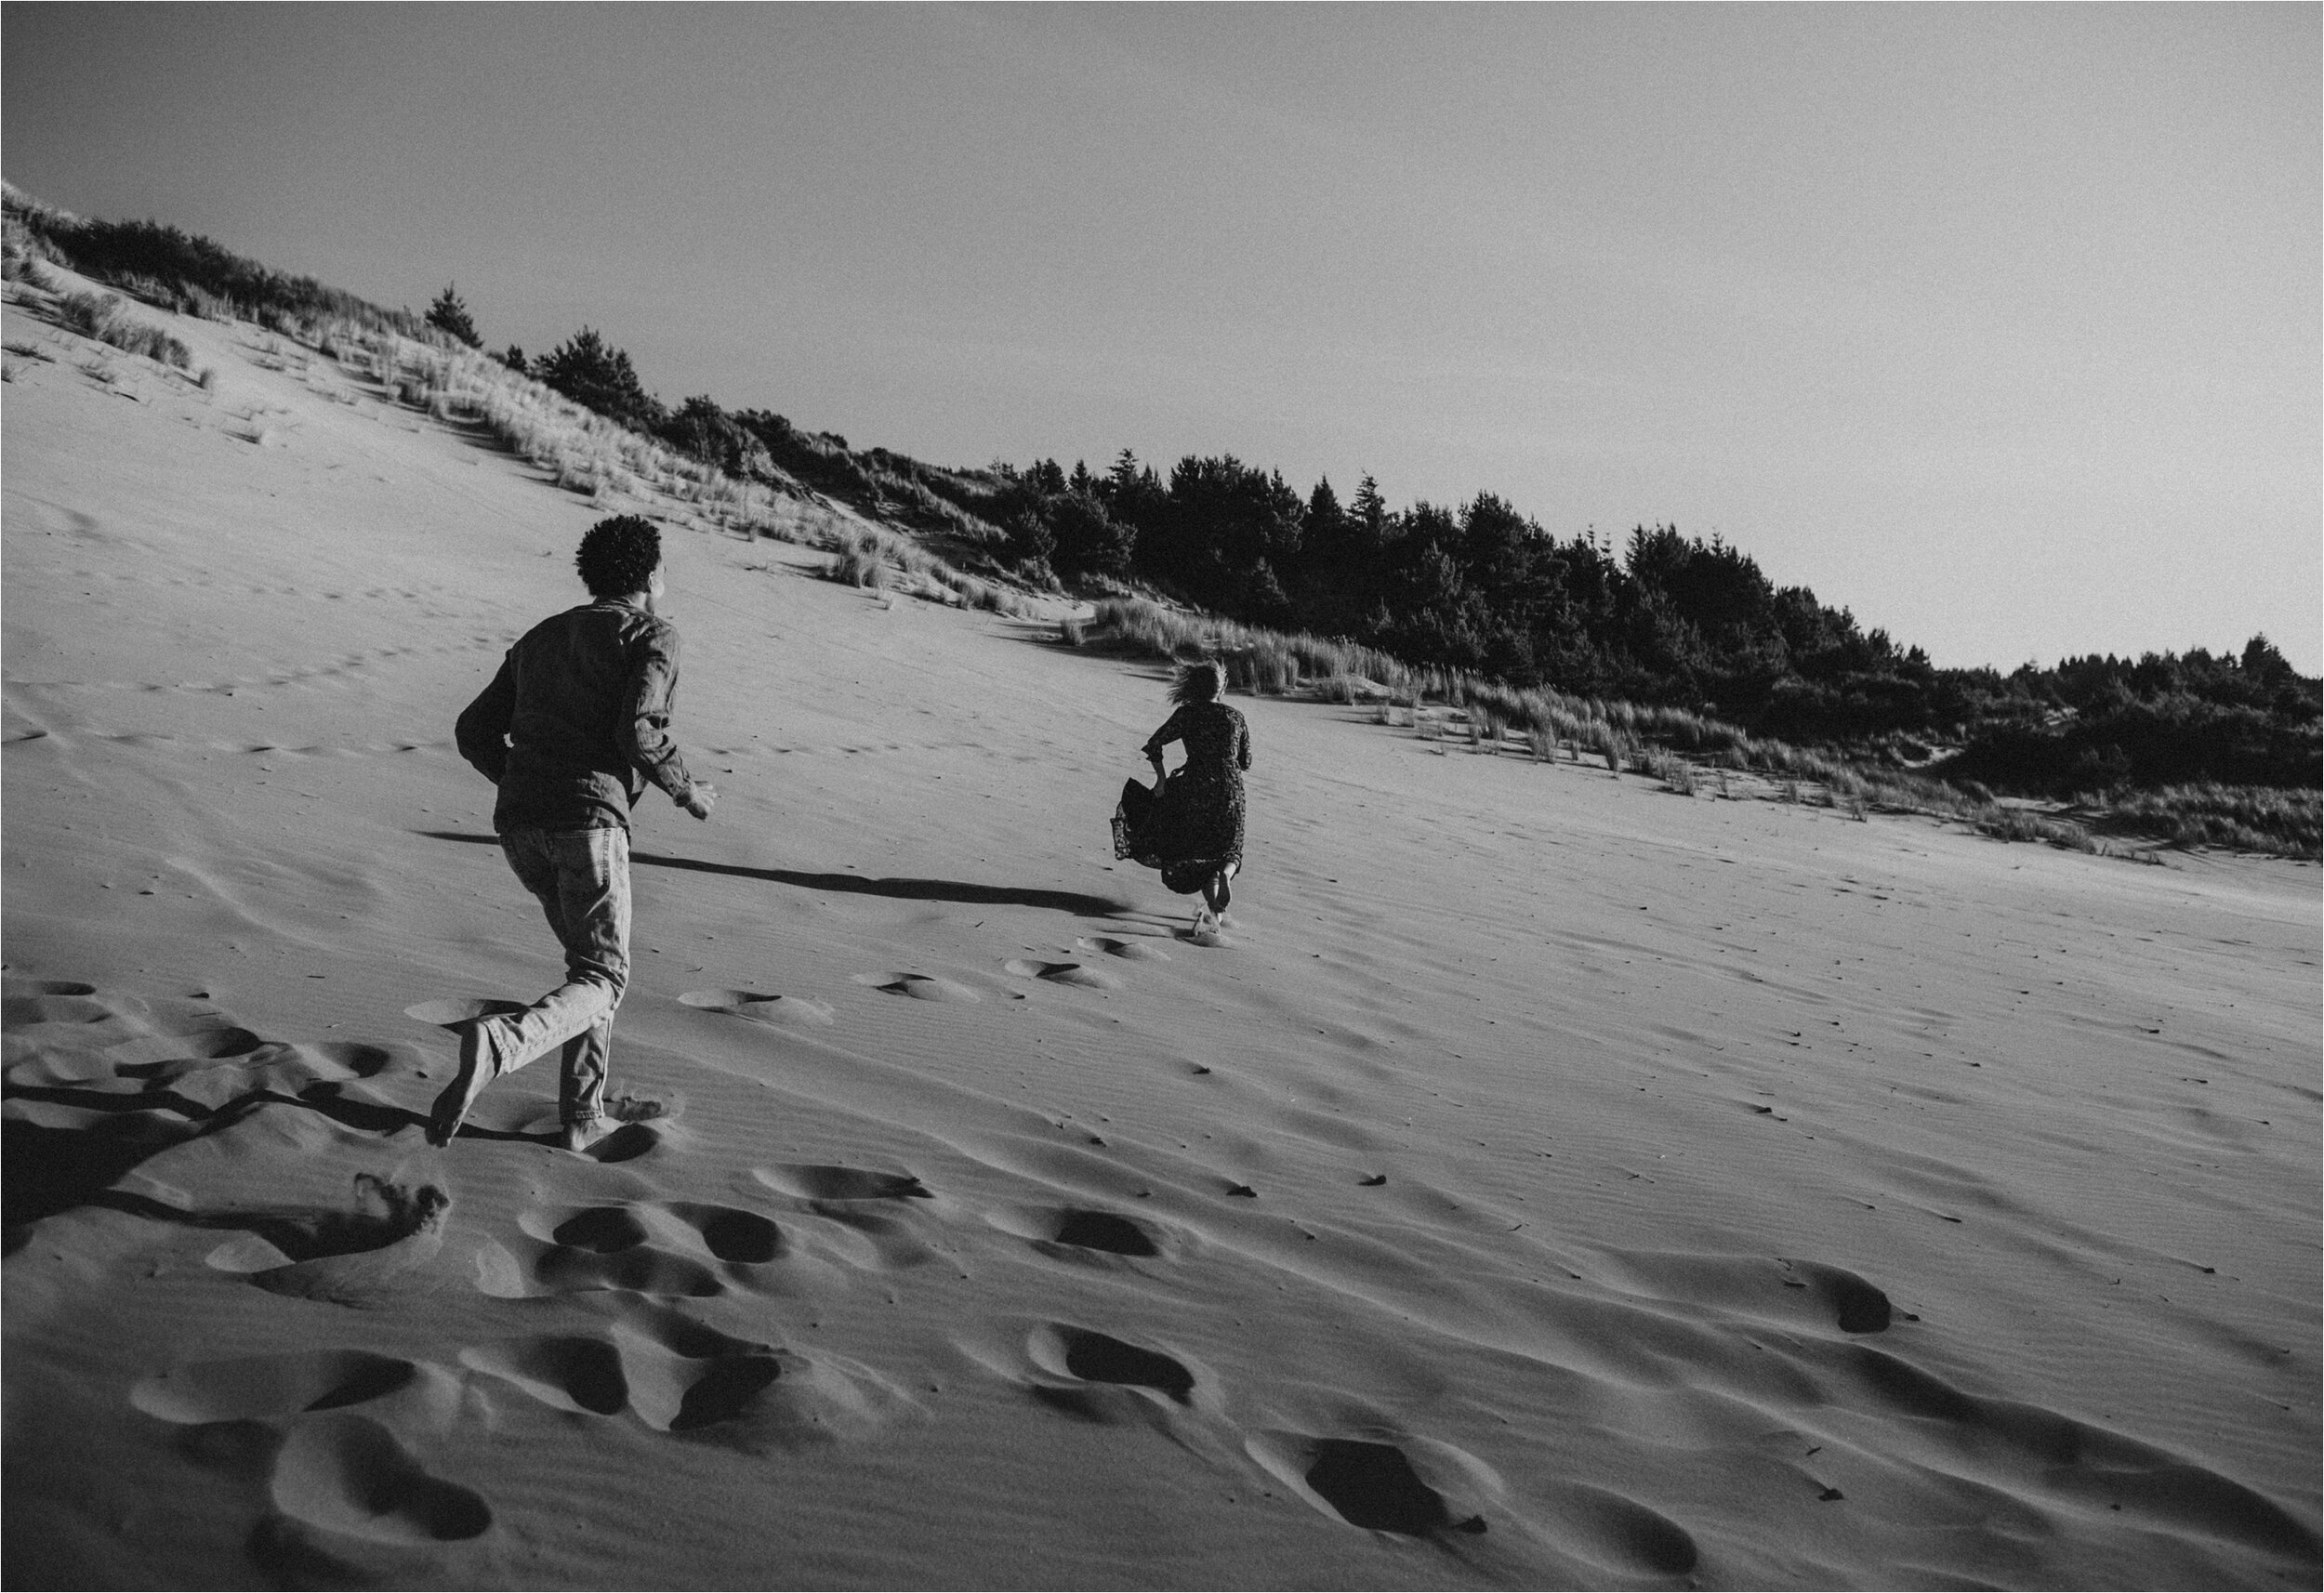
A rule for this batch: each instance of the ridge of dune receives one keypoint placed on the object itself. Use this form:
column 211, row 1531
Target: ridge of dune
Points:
column 1551, row 1181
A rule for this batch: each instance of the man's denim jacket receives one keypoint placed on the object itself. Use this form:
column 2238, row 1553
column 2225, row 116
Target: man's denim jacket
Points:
column 577, row 720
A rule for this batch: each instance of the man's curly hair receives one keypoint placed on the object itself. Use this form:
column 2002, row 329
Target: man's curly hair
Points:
column 619, row 555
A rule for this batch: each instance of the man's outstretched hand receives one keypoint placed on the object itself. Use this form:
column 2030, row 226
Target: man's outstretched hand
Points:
column 701, row 799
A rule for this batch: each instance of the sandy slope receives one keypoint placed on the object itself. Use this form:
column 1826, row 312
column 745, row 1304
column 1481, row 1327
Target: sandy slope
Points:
column 1556, row 1182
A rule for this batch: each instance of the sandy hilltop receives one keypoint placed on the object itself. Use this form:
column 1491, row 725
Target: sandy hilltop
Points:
column 1552, row 1182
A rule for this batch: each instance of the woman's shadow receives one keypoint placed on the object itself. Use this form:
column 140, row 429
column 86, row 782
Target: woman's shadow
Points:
column 858, row 885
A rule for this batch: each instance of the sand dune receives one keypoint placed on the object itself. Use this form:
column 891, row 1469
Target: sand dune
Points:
column 1549, row 1181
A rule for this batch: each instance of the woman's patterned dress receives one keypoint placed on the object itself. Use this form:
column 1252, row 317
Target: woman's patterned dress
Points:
column 1194, row 828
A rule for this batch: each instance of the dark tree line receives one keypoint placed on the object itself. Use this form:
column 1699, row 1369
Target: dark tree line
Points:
column 1666, row 618
column 1481, row 587
column 1670, row 619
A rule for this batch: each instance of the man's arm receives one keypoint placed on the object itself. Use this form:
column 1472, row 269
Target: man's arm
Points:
column 481, row 733
column 650, row 700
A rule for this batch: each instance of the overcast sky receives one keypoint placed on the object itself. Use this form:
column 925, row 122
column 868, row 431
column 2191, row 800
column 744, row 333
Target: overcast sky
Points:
column 1998, row 326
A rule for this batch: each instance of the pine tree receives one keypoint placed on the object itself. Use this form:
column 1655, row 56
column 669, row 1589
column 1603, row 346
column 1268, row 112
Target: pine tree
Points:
column 597, row 376
column 449, row 315
column 1369, row 510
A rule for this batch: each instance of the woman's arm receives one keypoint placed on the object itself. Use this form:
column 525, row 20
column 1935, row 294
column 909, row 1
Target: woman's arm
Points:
column 1169, row 733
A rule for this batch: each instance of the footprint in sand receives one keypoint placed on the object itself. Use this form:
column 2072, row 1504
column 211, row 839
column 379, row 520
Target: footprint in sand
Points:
column 32, row 1002
column 278, row 1418
column 744, row 1238
column 64, row 1033
column 1616, row 1532
column 1133, row 951
column 728, row 1391
column 355, row 1258
column 808, row 1181
column 200, row 1085
column 349, row 1058
column 686, row 1376
column 1064, row 973
column 2079, row 1462
column 183, row 1057
column 625, row 1144
column 1104, row 1230
column 863, row 1211
column 1088, row 1356
column 225, row 1042
column 919, row 986
column 729, row 1233
column 614, row 1248
column 1375, row 1485
column 1082, row 1234
column 566, row 1372
column 349, row 1474
column 1857, row 1306
column 383, row 1214
column 789, row 1010
column 28, row 987
column 682, row 1377
column 259, row 1387
column 602, row 1231
column 610, row 1247
column 1793, row 1290
column 769, row 1399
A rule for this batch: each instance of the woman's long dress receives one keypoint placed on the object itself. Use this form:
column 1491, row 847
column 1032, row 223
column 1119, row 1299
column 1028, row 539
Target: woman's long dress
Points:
column 1193, row 829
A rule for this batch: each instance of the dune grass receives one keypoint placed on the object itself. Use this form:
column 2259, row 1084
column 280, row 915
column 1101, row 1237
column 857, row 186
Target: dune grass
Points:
column 420, row 368
column 182, row 272
column 861, row 566
column 586, row 453
column 1674, row 746
column 101, row 317
column 1675, row 772
column 576, row 448
column 2239, row 818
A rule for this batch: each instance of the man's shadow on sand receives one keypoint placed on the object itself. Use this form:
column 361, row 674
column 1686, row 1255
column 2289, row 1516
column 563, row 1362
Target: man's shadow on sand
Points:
column 46, row 1170
column 858, row 885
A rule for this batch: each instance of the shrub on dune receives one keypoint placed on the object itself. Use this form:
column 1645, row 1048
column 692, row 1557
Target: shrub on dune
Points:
column 100, row 317
column 859, row 567
column 168, row 264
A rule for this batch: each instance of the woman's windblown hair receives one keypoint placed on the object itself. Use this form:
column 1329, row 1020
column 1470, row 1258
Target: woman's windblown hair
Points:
column 1198, row 682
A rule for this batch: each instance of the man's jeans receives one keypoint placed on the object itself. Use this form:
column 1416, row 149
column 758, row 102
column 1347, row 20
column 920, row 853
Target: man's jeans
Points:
column 582, row 879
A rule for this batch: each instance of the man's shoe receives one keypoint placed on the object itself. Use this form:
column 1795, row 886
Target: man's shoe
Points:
column 480, row 1065
column 579, row 1137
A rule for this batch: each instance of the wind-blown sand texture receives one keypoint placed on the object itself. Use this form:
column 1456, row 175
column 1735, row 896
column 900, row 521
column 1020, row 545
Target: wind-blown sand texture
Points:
column 1551, row 1181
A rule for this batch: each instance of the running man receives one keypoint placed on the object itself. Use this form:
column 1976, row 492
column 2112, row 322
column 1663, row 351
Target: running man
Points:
column 571, row 730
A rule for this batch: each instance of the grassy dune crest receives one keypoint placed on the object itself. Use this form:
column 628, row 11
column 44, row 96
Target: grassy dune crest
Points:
column 1683, row 750
column 755, row 474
